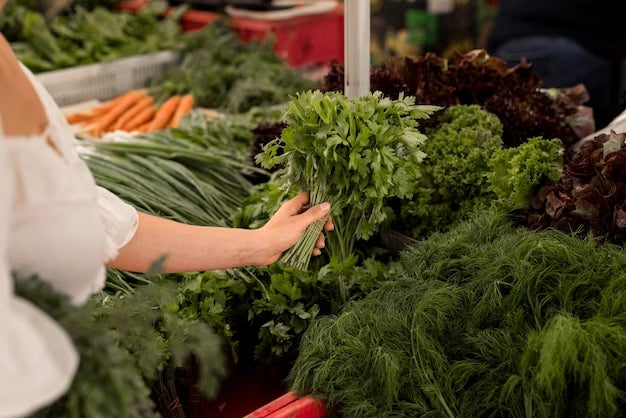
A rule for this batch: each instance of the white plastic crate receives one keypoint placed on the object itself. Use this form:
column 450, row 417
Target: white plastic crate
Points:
column 105, row 80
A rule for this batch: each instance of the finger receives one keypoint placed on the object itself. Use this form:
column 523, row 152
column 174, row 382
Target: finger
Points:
column 329, row 225
column 294, row 206
column 317, row 251
column 315, row 213
column 320, row 241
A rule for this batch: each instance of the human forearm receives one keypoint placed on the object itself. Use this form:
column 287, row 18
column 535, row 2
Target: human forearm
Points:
column 189, row 247
column 197, row 248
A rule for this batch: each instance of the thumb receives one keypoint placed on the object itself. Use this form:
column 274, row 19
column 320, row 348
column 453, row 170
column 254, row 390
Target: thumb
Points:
column 316, row 213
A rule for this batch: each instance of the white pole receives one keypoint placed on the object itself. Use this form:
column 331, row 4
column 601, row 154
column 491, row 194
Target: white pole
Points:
column 357, row 47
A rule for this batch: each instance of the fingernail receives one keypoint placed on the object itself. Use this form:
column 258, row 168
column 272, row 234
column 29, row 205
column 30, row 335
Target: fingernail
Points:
column 325, row 206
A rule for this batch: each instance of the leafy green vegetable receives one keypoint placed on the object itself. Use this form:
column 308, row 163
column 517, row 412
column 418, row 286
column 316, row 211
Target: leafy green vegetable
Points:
column 486, row 320
column 453, row 181
column 126, row 346
column 351, row 153
column 222, row 72
column 517, row 173
column 12, row 18
column 468, row 169
column 264, row 312
column 88, row 36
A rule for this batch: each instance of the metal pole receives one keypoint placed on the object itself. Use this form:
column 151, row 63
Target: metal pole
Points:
column 357, row 47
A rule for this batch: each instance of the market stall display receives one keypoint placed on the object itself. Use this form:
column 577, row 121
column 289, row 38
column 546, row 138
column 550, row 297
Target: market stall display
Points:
column 438, row 293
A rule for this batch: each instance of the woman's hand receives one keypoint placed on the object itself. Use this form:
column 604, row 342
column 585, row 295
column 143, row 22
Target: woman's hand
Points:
column 288, row 224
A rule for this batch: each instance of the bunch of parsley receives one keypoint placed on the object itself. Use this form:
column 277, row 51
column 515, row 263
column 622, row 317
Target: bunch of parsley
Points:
column 351, row 153
column 261, row 313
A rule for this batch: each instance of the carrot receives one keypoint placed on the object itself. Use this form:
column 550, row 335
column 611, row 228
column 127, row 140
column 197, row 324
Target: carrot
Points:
column 106, row 106
column 144, row 117
column 116, row 100
column 78, row 117
column 136, row 109
column 103, row 108
column 164, row 114
column 116, row 111
column 185, row 105
column 143, row 128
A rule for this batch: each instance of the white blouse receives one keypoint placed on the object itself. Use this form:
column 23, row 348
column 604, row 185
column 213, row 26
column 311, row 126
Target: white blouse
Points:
column 55, row 223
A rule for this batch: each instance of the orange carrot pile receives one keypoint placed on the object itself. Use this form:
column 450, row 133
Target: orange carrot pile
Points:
column 133, row 111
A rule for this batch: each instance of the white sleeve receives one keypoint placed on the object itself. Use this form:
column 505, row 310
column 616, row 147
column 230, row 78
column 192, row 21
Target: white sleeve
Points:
column 119, row 219
column 37, row 358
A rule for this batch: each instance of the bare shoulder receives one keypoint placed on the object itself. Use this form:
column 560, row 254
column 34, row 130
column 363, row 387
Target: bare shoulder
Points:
column 21, row 111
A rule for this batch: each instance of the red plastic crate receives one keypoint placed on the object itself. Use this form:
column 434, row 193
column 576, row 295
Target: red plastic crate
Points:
column 192, row 20
column 299, row 41
column 291, row 406
column 132, row 6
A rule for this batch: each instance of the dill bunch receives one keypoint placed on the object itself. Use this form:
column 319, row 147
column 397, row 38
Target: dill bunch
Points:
column 486, row 320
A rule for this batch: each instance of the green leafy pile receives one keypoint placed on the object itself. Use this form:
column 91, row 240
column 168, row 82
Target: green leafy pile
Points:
column 486, row 320
column 128, row 346
column 467, row 168
column 352, row 153
column 11, row 18
column 590, row 197
column 90, row 36
column 263, row 313
column 453, row 179
column 516, row 173
column 222, row 72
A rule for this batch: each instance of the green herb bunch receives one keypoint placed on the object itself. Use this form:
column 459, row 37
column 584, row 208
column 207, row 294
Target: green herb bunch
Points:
column 129, row 348
column 222, row 72
column 263, row 313
column 485, row 320
column 351, row 153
